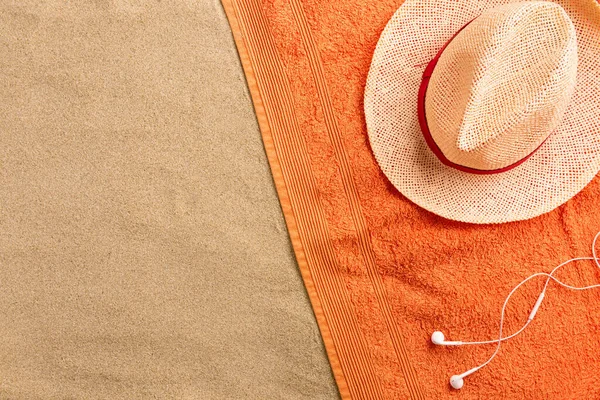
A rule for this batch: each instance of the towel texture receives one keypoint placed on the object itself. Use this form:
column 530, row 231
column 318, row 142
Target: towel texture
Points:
column 143, row 253
column 383, row 274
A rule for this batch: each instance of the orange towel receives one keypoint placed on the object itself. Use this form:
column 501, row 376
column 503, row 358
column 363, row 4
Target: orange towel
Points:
column 383, row 274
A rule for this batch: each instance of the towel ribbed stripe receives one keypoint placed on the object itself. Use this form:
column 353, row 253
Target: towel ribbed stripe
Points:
column 292, row 155
column 345, row 343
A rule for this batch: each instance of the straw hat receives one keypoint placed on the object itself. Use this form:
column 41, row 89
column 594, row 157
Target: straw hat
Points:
column 487, row 111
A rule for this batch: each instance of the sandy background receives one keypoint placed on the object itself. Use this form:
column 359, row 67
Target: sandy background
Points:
column 142, row 249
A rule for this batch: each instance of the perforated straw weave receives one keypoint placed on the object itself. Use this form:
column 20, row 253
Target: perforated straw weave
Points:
column 518, row 74
column 503, row 84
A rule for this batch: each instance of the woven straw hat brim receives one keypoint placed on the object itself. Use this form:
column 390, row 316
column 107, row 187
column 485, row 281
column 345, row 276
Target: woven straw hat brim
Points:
column 562, row 166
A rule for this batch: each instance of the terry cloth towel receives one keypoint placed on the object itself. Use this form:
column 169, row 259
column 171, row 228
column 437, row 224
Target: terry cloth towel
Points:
column 382, row 273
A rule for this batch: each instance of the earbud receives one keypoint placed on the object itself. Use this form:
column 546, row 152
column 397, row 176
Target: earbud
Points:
column 439, row 339
column 457, row 381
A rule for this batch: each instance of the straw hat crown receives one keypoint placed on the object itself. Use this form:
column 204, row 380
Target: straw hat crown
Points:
column 502, row 85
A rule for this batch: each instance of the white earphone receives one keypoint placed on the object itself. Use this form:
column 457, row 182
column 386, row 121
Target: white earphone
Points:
column 438, row 338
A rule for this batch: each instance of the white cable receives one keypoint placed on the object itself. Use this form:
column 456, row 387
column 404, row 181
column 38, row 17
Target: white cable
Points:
column 505, row 338
column 540, row 298
column 502, row 339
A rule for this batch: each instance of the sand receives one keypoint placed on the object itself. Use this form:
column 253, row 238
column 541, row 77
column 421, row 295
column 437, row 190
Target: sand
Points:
column 143, row 253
